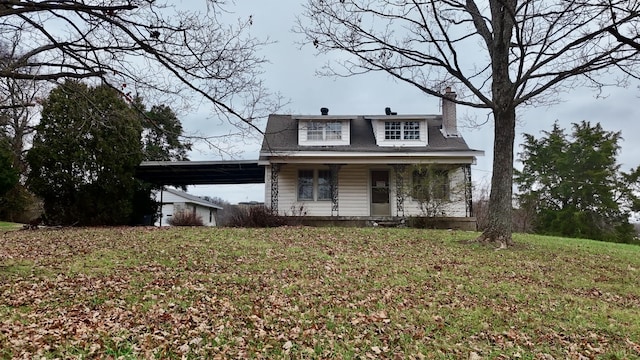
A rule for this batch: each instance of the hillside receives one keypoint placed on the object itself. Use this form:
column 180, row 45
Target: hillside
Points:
column 314, row 293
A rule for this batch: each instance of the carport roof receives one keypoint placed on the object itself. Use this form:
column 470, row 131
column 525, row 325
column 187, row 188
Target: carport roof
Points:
column 180, row 173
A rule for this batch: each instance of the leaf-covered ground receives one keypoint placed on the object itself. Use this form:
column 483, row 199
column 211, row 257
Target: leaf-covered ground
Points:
column 313, row 293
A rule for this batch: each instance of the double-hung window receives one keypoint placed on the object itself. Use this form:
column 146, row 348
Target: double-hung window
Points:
column 430, row 184
column 324, row 130
column 402, row 130
column 324, row 185
column 305, row 185
column 314, row 185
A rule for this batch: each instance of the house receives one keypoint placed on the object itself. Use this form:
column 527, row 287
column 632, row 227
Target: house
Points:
column 172, row 201
column 369, row 168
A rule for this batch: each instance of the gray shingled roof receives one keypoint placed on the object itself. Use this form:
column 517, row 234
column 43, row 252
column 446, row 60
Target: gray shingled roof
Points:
column 193, row 199
column 281, row 134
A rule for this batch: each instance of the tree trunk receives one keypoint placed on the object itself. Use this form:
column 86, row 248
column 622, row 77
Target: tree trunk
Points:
column 500, row 206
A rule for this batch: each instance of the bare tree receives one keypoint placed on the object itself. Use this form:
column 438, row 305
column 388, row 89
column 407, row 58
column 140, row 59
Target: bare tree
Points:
column 146, row 45
column 18, row 115
column 499, row 54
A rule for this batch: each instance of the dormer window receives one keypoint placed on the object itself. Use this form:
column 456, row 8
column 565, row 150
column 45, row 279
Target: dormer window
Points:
column 402, row 130
column 411, row 130
column 321, row 131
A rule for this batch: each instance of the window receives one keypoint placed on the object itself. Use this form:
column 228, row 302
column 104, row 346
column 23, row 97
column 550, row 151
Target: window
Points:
column 402, row 130
column 392, row 130
column 312, row 187
column 314, row 131
column 305, row 185
column 411, row 130
column 324, row 185
column 430, row 184
column 334, row 131
column 320, row 131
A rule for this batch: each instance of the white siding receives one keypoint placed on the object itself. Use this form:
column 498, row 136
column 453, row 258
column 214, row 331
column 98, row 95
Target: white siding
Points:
column 172, row 203
column 167, row 212
column 455, row 208
column 354, row 192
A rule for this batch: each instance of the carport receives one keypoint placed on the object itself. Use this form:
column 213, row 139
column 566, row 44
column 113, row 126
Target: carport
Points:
column 180, row 173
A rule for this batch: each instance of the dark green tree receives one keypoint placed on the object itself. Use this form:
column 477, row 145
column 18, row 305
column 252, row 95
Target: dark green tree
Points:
column 574, row 184
column 8, row 173
column 162, row 140
column 162, row 133
column 84, row 154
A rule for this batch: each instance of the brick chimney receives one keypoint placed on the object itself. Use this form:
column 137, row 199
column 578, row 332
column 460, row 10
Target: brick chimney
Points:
column 449, row 122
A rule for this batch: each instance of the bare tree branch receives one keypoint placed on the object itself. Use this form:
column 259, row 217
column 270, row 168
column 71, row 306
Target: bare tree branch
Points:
column 157, row 47
column 498, row 54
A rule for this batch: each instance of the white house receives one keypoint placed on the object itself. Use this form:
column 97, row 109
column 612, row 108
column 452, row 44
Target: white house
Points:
column 173, row 201
column 369, row 167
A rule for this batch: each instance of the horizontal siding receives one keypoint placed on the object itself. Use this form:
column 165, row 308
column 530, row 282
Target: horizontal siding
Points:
column 353, row 190
column 354, row 193
column 455, row 208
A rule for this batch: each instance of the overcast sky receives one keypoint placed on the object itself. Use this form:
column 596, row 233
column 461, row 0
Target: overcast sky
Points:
column 292, row 69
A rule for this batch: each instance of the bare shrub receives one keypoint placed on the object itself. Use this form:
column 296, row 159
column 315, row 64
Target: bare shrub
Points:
column 481, row 212
column 185, row 218
column 255, row 217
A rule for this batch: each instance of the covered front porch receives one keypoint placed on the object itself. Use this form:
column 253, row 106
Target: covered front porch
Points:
column 360, row 193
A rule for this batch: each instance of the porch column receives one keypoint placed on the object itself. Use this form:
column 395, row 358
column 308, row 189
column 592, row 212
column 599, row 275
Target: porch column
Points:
column 399, row 170
column 275, row 169
column 334, row 169
column 468, row 197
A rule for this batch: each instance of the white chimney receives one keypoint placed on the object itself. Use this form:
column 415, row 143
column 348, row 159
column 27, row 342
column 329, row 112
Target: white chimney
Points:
column 449, row 123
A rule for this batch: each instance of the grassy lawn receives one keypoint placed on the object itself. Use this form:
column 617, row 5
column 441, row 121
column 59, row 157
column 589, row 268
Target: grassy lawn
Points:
column 9, row 226
column 314, row 293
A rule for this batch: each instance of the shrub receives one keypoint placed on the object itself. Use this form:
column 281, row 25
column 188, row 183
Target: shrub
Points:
column 185, row 218
column 256, row 216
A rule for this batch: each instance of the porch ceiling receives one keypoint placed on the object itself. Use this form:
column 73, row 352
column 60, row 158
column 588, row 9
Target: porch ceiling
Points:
column 200, row 172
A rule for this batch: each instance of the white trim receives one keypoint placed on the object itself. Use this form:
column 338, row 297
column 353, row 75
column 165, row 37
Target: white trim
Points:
column 379, row 161
column 402, row 117
column 368, row 155
column 323, row 117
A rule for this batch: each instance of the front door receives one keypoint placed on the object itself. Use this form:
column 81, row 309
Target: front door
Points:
column 380, row 193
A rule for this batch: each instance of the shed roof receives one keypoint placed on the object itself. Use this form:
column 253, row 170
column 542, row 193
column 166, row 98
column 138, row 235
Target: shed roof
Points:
column 193, row 199
column 180, row 173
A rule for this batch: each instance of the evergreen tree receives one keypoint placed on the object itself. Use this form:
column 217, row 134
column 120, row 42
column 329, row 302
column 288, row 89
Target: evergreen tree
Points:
column 575, row 185
column 8, row 173
column 84, row 155
column 161, row 134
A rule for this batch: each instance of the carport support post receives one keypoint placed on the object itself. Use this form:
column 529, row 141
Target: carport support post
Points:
column 161, row 201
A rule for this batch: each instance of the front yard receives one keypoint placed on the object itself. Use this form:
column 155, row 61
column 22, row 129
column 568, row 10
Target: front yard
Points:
column 297, row 292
